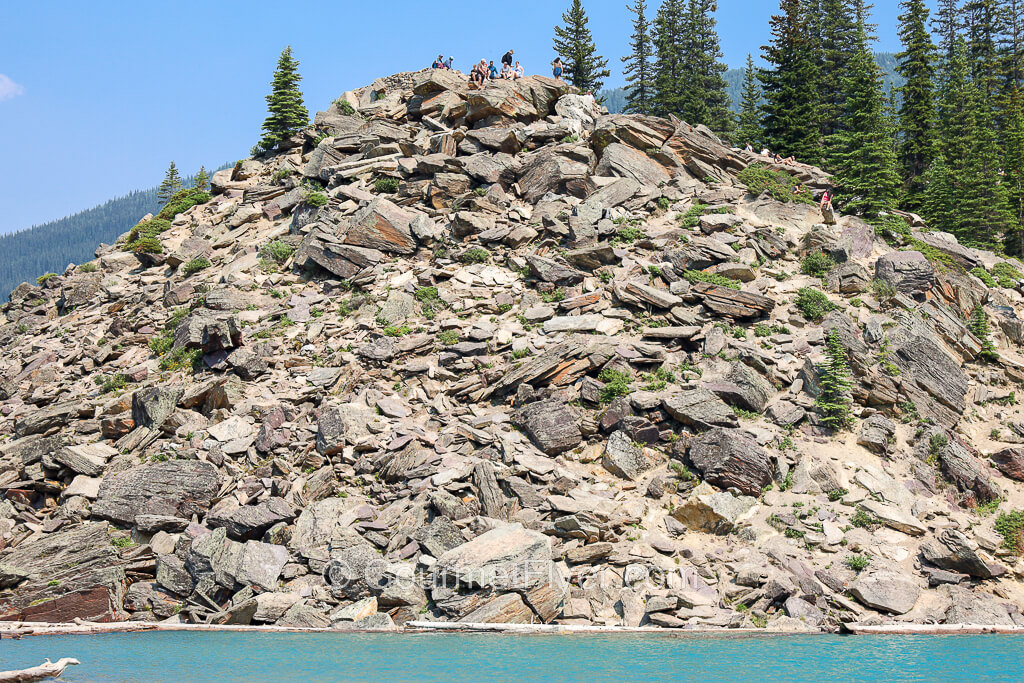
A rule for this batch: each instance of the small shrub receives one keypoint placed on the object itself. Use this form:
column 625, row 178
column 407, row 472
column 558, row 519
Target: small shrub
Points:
column 345, row 107
column 182, row 201
column 882, row 291
column 978, row 325
column 397, row 331
column 834, row 401
column 43, row 278
column 616, row 383
column 147, row 245
column 114, row 383
column 937, row 442
column 277, row 251
column 554, row 296
column 984, row 276
column 386, row 185
column 813, row 304
column 836, row 494
column 1010, row 525
column 628, row 235
column 691, row 218
column 571, row 138
column 777, row 184
column 181, row 358
column 695, row 276
column 88, row 268
column 316, row 199
column 817, row 264
column 475, row 255
column 1006, row 275
column 282, row 173
column 664, row 203
column 892, row 229
column 862, row 519
column 448, row 337
column 858, row 563
column 196, row 265
column 147, row 230
column 761, row 330
column 885, row 359
column 521, row 353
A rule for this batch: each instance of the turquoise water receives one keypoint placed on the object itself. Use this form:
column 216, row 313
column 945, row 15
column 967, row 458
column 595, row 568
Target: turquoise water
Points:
column 176, row 656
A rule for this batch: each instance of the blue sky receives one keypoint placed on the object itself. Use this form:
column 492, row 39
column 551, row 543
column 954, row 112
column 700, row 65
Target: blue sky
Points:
column 97, row 97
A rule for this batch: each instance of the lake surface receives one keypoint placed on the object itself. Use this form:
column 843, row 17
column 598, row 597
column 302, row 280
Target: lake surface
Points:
column 233, row 656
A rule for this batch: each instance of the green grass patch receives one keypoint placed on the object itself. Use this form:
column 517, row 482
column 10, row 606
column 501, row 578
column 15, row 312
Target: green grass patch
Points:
column 695, row 276
column 778, row 185
column 616, row 384
column 196, row 265
column 182, row 201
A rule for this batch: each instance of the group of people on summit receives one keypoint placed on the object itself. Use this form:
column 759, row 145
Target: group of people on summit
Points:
column 483, row 70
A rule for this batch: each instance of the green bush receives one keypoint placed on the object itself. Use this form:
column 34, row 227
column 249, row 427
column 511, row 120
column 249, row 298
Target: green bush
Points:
column 196, row 265
column 616, row 383
column 892, row 229
column 862, row 519
column 1010, row 525
column 858, row 563
column 277, row 251
column 628, row 235
column 146, row 245
column 777, row 184
column 817, row 264
column 984, row 276
column 448, row 337
column 762, row 330
column 43, row 278
column 664, row 203
column 691, row 218
column 182, row 201
column 1006, row 275
column 475, row 255
column 151, row 228
column 837, row 494
column 88, row 268
column 386, row 185
column 834, row 401
column 397, row 331
column 695, row 276
column 114, row 383
column 316, row 199
column 978, row 325
column 181, row 358
column 345, row 107
column 813, row 304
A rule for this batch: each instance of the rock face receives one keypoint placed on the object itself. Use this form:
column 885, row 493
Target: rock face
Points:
column 483, row 373
column 179, row 488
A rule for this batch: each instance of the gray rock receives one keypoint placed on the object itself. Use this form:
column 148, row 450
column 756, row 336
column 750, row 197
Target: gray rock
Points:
column 714, row 512
column 383, row 226
column 151, row 407
column 876, row 433
column 551, row 425
column 731, row 458
column 624, row 459
column 252, row 521
column 908, row 272
column 506, row 558
column 886, row 591
column 700, row 408
column 178, row 488
column 953, row 551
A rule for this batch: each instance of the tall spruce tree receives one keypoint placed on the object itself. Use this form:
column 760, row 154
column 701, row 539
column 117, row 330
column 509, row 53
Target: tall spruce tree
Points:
column 575, row 45
column 749, row 129
column 286, row 113
column 790, row 86
column 639, row 71
column 704, row 97
column 984, row 22
column 947, row 25
column 836, row 25
column 834, row 399
column 917, row 118
column 202, row 179
column 170, row 186
column 1011, row 46
column 669, row 74
column 1013, row 165
column 861, row 149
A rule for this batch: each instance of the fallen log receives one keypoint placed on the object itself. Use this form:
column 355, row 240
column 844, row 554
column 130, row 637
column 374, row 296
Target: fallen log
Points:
column 47, row 669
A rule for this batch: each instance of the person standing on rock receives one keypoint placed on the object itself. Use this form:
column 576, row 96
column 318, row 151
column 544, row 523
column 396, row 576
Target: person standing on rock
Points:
column 556, row 68
column 507, row 58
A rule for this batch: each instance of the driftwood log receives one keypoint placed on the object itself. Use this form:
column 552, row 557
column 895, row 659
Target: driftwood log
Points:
column 47, row 669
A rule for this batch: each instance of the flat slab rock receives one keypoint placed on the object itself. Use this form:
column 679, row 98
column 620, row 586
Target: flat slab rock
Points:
column 505, row 558
column 178, row 488
column 551, row 425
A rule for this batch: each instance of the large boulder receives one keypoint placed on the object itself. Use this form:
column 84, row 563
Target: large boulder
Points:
column 953, row 551
column 730, row 458
column 622, row 161
column 1010, row 461
column 384, row 226
column 932, row 378
column 700, row 408
column 251, row 521
column 553, row 426
column 502, row 559
column 886, row 591
column 908, row 272
column 624, row 458
column 176, row 488
column 713, row 512
column 152, row 406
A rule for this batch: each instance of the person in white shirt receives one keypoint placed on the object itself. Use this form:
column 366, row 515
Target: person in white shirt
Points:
column 518, row 72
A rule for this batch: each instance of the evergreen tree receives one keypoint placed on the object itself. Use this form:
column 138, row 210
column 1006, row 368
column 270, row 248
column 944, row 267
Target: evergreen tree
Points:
column 947, row 25
column 862, row 149
column 704, row 96
column 749, row 130
column 834, row 401
column 790, row 97
column 984, row 19
column 287, row 114
column 837, row 37
column 170, row 185
column 202, row 180
column 916, row 64
column 1011, row 46
column 575, row 45
column 978, row 325
column 669, row 76
column 639, row 70
column 1013, row 165
column 940, row 203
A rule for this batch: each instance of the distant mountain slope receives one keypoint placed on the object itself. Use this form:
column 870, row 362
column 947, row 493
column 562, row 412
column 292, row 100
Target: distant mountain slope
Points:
column 50, row 247
column 615, row 99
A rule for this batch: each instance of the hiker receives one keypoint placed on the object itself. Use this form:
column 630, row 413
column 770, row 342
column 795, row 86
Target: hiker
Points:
column 518, row 73
column 438, row 63
column 506, row 72
column 507, row 57
column 556, row 68
column 765, row 152
column 448, row 64
column 492, row 71
column 750, row 148
column 826, row 200
column 479, row 73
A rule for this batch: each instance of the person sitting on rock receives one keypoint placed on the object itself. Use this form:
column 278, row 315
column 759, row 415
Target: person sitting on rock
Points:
column 479, row 73
column 556, row 68
column 506, row 72
column 448, row 64
column 750, row 148
column 492, row 71
column 507, row 57
column 826, row 200
column 438, row 63
column 518, row 72
column 765, row 152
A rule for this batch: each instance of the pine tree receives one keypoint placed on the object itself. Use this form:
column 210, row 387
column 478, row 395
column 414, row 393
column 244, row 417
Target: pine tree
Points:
column 1013, row 166
column 1011, row 46
column 668, row 46
column 940, row 203
column 984, row 20
column 170, row 185
column 287, row 114
column 749, row 129
column 917, row 118
column 834, row 401
column 862, row 149
column 639, row 70
column 978, row 325
column 575, row 45
column 704, row 97
column 837, row 26
column 947, row 25
column 790, row 98
column 202, row 181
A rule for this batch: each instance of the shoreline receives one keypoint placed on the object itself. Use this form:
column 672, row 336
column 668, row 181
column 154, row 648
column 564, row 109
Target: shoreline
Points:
column 16, row 630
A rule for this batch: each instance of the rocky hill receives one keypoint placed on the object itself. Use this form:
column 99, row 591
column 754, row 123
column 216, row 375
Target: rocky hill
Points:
column 494, row 356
